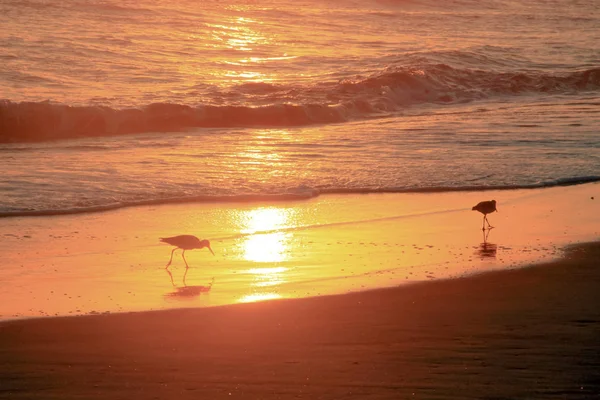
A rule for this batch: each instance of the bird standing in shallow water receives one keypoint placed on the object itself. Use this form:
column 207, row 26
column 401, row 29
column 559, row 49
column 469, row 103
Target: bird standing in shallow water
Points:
column 486, row 207
column 186, row 242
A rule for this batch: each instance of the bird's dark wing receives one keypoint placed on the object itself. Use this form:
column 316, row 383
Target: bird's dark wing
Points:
column 176, row 240
column 479, row 205
column 183, row 241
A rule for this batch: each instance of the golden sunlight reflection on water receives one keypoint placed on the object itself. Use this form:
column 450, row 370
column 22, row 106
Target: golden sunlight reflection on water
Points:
column 268, row 276
column 263, row 244
column 266, row 219
column 270, row 247
column 240, row 36
column 259, row 297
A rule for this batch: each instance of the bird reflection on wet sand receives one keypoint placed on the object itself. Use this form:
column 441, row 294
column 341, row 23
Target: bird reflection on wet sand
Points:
column 171, row 277
column 487, row 249
column 188, row 292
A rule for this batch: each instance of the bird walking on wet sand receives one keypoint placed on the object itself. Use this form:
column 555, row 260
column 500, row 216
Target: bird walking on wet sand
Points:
column 186, row 242
column 486, row 207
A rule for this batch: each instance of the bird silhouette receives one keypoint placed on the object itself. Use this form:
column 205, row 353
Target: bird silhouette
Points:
column 185, row 242
column 486, row 207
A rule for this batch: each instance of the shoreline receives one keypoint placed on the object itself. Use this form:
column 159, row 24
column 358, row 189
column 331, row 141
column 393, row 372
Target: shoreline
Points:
column 306, row 194
column 112, row 262
column 522, row 333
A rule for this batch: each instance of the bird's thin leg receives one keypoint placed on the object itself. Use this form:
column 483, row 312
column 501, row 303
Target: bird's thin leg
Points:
column 483, row 227
column 184, row 260
column 171, row 259
column 184, row 275
column 489, row 225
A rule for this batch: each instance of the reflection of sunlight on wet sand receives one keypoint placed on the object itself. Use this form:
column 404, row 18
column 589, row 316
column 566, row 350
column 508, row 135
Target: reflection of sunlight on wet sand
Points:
column 269, row 247
column 268, row 276
column 259, row 297
column 265, row 219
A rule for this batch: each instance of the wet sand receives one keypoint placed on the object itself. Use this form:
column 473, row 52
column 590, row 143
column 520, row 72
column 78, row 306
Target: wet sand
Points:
column 524, row 333
column 335, row 244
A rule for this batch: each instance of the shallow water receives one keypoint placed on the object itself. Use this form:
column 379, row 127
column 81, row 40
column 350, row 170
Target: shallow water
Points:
column 276, row 106
column 488, row 145
column 228, row 100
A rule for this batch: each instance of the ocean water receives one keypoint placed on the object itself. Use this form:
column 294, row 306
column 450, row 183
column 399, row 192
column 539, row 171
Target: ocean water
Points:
column 106, row 104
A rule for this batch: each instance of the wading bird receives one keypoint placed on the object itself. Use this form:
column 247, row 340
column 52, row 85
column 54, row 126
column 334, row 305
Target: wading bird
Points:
column 486, row 207
column 186, row 242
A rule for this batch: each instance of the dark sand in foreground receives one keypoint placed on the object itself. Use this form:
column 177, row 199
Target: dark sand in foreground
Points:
column 528, row 333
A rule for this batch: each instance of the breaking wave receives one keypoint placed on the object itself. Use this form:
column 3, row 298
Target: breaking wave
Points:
column 288, row 105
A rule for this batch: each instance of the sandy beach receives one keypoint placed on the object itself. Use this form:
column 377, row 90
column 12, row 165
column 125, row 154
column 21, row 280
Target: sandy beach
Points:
column 387, row 296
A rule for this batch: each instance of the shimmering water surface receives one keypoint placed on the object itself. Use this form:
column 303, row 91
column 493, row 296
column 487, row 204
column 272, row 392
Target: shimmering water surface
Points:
column 221, row 100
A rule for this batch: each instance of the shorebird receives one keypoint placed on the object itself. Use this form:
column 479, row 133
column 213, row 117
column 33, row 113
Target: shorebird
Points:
column 486, row 207
column 185, row 242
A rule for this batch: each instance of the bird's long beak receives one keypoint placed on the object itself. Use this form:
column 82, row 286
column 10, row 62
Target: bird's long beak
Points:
column 213, row 253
